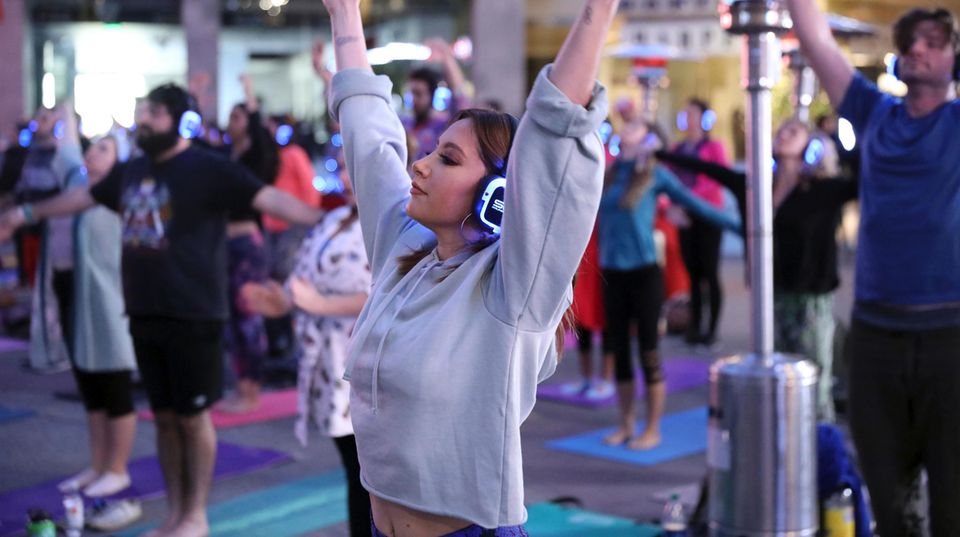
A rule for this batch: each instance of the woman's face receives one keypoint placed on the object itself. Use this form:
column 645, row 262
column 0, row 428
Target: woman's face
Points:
column 791, row 139
column 100, row 158
column 237, row 125
column 445, row 181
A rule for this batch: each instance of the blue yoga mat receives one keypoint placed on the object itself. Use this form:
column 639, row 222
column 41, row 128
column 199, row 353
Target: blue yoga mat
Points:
column 11, row 414
column 684, row 433
column 287, row 510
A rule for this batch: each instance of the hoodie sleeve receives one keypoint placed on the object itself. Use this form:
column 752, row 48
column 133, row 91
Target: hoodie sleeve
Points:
column 554, row 181
column 375, row 149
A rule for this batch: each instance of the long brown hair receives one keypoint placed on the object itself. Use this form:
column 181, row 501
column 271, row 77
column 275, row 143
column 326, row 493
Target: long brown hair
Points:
column 494, row 132
column 640, row 179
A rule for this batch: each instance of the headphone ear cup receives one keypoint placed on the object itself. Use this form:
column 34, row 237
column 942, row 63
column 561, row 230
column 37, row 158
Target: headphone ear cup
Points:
column 896, row 68
column 956, row 68
column 708, row 120
column 488, row 203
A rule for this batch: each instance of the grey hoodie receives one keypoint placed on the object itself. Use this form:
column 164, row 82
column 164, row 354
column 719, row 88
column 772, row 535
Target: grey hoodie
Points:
column 444, row 370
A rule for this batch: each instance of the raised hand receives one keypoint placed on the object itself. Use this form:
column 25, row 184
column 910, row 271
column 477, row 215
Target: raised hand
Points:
column 316, row 58
column 439, row 50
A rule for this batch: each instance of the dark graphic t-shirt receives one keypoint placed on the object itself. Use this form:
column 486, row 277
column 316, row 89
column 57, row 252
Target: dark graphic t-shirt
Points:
column 174, row 231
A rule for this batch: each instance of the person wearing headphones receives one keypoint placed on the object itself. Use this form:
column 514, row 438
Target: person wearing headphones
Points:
column 700, row 241
column 426, row 124
column 174, row 203
column 472, row 261
column 633, row 281
column 904, row 341
column 808, row 196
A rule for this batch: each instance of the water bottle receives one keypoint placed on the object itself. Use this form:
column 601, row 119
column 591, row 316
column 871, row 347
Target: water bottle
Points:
column 838, row 514
column 39, row 524
column 674, row 521
column 73, row 506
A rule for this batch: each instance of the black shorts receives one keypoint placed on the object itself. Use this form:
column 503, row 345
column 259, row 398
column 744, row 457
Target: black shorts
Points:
column 106, row 391
column 180, row 361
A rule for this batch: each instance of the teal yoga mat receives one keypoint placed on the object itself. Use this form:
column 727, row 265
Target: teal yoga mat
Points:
column 553, row 520
column 314, row 503
column 684, row 434
column 287, row 510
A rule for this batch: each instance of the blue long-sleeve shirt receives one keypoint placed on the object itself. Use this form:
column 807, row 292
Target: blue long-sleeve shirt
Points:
column 626, row 234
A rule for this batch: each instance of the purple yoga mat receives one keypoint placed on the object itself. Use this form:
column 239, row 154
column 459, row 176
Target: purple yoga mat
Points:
column 147, row 484
column 10, row 345
column 682, row 374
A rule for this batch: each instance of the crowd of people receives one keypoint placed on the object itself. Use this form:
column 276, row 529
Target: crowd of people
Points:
column 500, row 233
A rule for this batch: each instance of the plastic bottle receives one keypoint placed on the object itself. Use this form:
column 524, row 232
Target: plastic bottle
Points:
column 674, row 521
column 838, row 515
column 73, row 506
column 39, row 524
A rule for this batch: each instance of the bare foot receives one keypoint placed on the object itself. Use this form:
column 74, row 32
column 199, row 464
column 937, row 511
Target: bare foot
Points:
column 647, row 440
column 165, row 528
column 238, row 405
column 619, row 437
column 191, row 527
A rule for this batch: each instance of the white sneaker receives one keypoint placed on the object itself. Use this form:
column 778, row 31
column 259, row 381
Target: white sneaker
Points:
column 579, row 387
column 601, row 390
column 79, row 481
column 115, row 515
column 107, row 484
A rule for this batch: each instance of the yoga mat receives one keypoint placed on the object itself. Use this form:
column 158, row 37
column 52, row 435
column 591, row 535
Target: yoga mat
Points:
column 314, row 503
column 684, row 433
column 294, row 508
column 13, row 414
column 10, row 345
column 232, row 460
column 553, row 520
column 682, row 374
column 273, row 405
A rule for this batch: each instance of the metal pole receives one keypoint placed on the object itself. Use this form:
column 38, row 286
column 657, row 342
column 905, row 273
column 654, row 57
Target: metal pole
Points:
column 762, row 427
column 761, row 54
column 805, row 84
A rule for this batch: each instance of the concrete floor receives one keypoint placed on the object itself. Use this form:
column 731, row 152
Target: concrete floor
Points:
column 53, row 443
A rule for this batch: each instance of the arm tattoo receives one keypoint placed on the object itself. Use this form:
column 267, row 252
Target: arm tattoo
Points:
column 588, row 15
column 341, row 41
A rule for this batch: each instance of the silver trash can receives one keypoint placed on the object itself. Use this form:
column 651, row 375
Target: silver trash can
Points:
column 762, row 447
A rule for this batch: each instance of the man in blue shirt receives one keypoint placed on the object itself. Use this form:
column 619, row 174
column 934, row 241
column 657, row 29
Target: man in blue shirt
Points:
column 904, row 346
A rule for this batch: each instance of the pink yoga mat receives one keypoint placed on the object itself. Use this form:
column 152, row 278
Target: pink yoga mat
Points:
column 273, row 405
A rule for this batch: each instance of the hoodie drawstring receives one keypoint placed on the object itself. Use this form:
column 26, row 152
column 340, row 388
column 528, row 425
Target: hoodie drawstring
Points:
column 375, row 381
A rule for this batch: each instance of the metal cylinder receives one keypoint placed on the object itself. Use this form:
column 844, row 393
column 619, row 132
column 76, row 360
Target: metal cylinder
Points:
column 762, row 447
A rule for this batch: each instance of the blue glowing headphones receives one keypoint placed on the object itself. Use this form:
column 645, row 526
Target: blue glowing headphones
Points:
column 191, row 124
column 894, row 68
column 284, row 134
column 708, row 120
column 489, row 202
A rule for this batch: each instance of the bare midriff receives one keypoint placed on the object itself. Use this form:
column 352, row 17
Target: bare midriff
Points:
column 395, row 520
